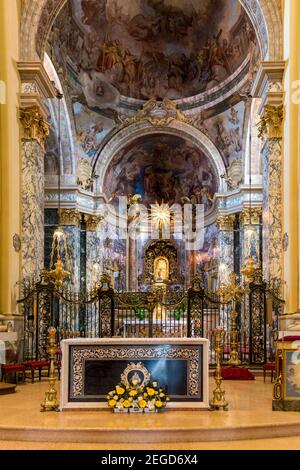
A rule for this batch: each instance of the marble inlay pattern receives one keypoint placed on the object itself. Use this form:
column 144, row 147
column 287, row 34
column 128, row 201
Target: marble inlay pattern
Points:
column 93, row 245
column 226, row 250
column 80, row 354
column 32, row 161
column 73, row 241
column 272, row 213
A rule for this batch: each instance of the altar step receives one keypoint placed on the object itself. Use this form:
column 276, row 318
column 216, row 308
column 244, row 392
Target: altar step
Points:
column 153, row 435
column 6, row 389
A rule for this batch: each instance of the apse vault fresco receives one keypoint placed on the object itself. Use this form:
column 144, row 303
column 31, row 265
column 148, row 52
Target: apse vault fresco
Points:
column 162, row 168
column 147, row 49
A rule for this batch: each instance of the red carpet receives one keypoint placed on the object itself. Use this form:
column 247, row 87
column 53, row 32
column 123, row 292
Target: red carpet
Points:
column 236, row 373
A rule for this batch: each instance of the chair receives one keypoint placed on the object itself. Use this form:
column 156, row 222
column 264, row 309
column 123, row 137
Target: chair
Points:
column 37, row 365
column 8, row 369
column 269, row 367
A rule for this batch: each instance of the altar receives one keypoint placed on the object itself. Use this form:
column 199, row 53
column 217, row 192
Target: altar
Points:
column 93, row 367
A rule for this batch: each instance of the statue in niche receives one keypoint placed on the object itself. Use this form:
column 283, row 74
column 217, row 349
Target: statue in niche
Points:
column 161, row 269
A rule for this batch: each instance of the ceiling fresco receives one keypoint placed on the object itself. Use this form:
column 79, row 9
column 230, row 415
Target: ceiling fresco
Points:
column 109, row 53
column 147, row 49
column 162, row 168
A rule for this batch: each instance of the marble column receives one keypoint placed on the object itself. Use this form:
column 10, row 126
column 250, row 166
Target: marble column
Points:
column 70, row 222
column 270, row 128
column 250, row 230
column 225, row 224
column 35, row 131
column 94, row 259
column 268, row 86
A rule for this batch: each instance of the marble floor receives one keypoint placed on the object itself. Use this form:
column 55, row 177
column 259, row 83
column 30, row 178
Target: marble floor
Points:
column 250, row 423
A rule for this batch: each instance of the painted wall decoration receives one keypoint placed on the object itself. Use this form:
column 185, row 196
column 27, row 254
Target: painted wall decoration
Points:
column 162, row 168
column 91, row 128
column 151, row 48
column 226, row 130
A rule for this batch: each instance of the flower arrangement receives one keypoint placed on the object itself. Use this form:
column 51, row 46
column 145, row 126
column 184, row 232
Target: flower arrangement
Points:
column 134, row 397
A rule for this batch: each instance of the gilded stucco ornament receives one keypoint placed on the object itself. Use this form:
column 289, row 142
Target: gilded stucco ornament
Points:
column 84, row 174
column 158, row 113
column 270, row 124
column 35, row 127
column 225, row 222
column 70, row 217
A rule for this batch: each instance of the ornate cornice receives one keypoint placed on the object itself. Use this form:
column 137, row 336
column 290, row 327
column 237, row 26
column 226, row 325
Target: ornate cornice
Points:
column 92, row 222
column 252, row 216
column 271, row 121
column 268, row 84
column 70, row 217
column 35, row 126
column 225, row 222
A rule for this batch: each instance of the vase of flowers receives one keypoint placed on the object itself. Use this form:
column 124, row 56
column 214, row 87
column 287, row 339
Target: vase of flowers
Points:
column 134, row 398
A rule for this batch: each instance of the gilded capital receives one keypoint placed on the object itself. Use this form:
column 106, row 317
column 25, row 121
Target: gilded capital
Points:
column 252, row 216
column 270, row 124
column 225, row 222
column 35, row 127
column 92, row 222
column 70, row 217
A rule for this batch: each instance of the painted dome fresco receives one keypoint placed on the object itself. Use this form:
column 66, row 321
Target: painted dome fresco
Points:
column 144, row 49
column 162, row 168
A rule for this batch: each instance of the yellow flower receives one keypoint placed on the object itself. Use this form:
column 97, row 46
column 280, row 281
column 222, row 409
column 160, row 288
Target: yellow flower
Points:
column 126, row 404
column 168, row 399
column 158, row 404
column 133, row 393
column 112, row 403
column 151, row 392
column 145, row 395
column 120, row 390
column 142, row 404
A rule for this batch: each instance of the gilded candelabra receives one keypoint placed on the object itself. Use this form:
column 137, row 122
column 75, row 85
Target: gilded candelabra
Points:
column 232, row 292
column 218, row 401
column 51, row 403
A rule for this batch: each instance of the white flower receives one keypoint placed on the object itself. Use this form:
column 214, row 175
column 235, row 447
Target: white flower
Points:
column 154, row 384
column 162, row 395
column 116, row 397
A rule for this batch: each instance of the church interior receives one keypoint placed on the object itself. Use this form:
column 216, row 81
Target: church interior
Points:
column 149, row 237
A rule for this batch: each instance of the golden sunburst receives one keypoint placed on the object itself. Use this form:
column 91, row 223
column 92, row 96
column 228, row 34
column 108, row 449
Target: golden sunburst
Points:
column 160, row 215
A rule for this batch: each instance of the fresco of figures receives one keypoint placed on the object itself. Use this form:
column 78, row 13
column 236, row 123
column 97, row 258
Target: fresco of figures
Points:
column 226, row 131
column 162, row 168
column 150, row 48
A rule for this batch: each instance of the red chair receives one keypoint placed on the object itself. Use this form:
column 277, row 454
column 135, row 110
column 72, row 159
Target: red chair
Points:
column 8, row 369
column 37, row 365
column 271, row 368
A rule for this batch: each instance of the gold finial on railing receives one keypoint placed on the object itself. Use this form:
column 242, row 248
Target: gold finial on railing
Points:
column 218, row 401
column 51, row 403
column 232, row 292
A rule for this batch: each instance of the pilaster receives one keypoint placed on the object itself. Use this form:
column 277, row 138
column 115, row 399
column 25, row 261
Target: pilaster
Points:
column 225, row 224
column 36, row 87
column 269, row 87
column 94, row 263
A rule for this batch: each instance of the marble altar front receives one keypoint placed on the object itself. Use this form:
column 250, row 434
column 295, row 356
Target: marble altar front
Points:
column 93, row 367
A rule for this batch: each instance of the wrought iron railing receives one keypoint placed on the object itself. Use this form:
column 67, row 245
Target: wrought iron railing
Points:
column 194, row 313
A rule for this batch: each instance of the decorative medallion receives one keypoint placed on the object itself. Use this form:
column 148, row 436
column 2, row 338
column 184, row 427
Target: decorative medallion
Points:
column 136, row 372
column 17, row 243
column 285, row 242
